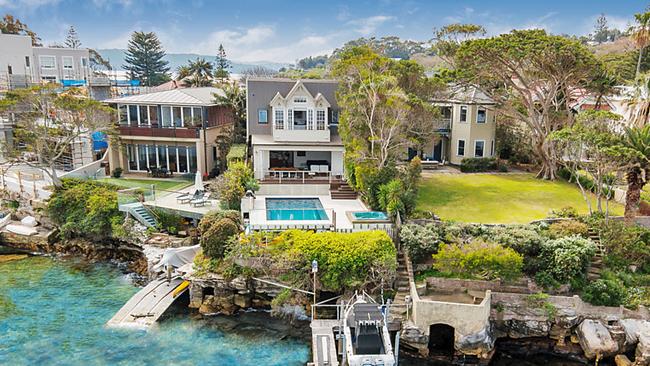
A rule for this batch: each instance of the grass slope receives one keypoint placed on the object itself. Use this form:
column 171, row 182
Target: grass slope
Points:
column 162, row 184
column 498, row 198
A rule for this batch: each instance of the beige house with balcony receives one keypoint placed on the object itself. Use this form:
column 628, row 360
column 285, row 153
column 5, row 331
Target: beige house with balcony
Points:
column 172, row 131
column 466, row 129
column 293, row 130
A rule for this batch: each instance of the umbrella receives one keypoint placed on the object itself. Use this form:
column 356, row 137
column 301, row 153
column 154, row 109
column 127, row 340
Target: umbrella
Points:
column 198, row 182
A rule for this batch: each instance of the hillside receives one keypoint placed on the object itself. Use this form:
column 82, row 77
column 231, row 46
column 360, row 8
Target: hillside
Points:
column 116, row 58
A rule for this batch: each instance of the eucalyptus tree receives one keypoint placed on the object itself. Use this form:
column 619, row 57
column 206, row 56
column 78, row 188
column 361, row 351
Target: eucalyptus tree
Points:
column 532, row 77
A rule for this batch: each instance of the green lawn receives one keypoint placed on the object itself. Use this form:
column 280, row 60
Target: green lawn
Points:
column 160, row 184
column 498, row 198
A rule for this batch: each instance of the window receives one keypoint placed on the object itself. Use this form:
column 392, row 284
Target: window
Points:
column 299, row 120
column 84, row 62
column 132, row 157
column 197, row 116
column 49, row 79
column 27, row 62
column 187, row 116
column 492, row 148
column 176, row 117
column 133, row 114
column 153, row 115
column 166, row 116
column 479, row 147
column 334, row 117
column 463, row 113
column 9, row 70
column 172, row 157
column 261, row 116
column 48, row 62
column 152, row 156
column 162, row 157
column 191, row 155
column 300, row 100
column 123, row 114
column 67, row 63
column 320, row 119
column 461, row 148
column 142, row 157
column 279, row 119
column 182, row 159
column 290, row 119
column 480, row 116
column 144, row 115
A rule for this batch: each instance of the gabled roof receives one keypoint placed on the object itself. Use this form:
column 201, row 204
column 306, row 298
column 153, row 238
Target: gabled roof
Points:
column 464, row 94
column 185, row 96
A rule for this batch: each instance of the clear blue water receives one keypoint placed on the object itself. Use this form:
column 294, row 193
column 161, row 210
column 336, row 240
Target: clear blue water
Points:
column 294, row 209
column 370, row 215
column 52, row 312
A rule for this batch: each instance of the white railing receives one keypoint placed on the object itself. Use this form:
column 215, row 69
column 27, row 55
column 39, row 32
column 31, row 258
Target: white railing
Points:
column 301, row 175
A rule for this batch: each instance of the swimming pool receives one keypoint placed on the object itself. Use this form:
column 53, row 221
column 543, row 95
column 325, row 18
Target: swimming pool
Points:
column 369, row 216
column 292, row 209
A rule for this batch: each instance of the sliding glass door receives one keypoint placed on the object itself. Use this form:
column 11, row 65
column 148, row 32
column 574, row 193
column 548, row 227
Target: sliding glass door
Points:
column 177, row 159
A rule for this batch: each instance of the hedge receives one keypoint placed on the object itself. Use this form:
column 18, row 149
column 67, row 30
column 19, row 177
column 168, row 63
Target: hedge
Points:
column 479, row 259
column 474, row 165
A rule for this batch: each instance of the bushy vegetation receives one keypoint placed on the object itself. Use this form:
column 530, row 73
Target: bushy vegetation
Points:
column 566, row 259
column 234, row 183
column 420, row 240
column 168, row 221
column 84, row 208
column 475, row 165
column 568, row 228
column 218, row 230
column 479, row 259
column 346, row 260
column 605, row 292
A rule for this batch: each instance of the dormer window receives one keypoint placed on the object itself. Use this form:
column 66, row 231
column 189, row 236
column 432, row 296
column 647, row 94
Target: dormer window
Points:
column 279, row 119
column 300, row 100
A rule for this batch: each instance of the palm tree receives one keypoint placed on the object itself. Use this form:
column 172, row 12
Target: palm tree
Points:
column 182, row 72
column 603, row 84
column 234, row 98
column 638, row 105
column 641, row 36
column 200, row 72
column 638, row 141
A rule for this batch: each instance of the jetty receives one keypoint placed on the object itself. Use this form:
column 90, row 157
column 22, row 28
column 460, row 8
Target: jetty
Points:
column 150, row 303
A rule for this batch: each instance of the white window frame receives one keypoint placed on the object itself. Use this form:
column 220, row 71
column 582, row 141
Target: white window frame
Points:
column 321, row 119
column 485, row 119
column 278, row 118
column 289, row 119
column 476, row 144
column 84, row 62
column 458, row 147
column 63, row 59
column 40, row 62
column 300, row 100
column 266, row 116
column 310, row 120
column 460, row 114
column 49, row 78
column 492, row 148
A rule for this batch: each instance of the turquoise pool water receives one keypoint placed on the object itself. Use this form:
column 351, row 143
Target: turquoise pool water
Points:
column 52, row 312
column 369, row 215
column 295, row 209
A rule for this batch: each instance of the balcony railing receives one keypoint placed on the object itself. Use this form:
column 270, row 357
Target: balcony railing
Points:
column 442, row 124
column 299, row 176
column 151, row 131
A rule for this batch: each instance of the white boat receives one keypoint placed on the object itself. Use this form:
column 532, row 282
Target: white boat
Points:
column 367, row 340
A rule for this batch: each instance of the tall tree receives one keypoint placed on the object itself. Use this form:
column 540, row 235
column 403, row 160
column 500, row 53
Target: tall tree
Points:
column 48, row 122
column 638, row 168
column 144, row 59
column 222, row 65
column 234, row 98
column 641, row 36
column 601, row 32
column 97, row 62
column 638, row 104
column 72, row 39
column 200, row 72
column 11, row 25
column 183, row 71
column 532, row 76
column 448, row 39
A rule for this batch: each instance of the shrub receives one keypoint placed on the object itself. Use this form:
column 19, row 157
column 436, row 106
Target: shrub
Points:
column 605, row 292
column 564, row 212
column 117, row 172
column 479, row 259
column 390, row 197
column 625, row 245
column 345, row 260
column 568, row 228
column 367, row 180
column 473, row 165
column 238, row 179
column 169, row 221
column 84, row 208
column 218, row 229
column 566, row 258
column 420, row 240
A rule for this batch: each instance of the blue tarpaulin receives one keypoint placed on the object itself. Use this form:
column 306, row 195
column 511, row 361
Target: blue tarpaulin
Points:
column 99, row 141
column 73, row 82
column 128, row 82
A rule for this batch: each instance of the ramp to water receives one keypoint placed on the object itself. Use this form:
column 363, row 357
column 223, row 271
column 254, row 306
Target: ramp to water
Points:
column 323, row 343
column 149, row 304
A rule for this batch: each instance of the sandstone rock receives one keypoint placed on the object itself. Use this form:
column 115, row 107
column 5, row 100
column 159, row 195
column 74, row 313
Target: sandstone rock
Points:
column 634, row 327
column 527, row 328
column 209, row 306
column 478, row 344
column 595, row 339
column 242, row 301
column 642, row 354
column 415, row 338
column 622, row 360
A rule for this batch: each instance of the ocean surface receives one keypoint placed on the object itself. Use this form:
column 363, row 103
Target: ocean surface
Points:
column 53, row 311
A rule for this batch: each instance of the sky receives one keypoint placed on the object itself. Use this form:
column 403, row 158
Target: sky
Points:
column 284, row 31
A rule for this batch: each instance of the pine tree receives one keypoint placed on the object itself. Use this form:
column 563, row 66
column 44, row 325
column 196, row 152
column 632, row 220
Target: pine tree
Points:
column 72, row 39
column 222, row 65
column 144, row 59
column 601, row 32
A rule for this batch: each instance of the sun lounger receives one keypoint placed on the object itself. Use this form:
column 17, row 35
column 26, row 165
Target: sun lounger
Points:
column 200, row 201
column 187, row 197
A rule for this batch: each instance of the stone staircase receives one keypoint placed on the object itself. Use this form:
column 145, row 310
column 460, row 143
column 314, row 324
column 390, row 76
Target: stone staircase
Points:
column 342, row 191
column 398, row 308
column 596, row 266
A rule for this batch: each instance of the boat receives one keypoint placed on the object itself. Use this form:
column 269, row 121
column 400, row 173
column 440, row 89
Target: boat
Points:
column 366, row 336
